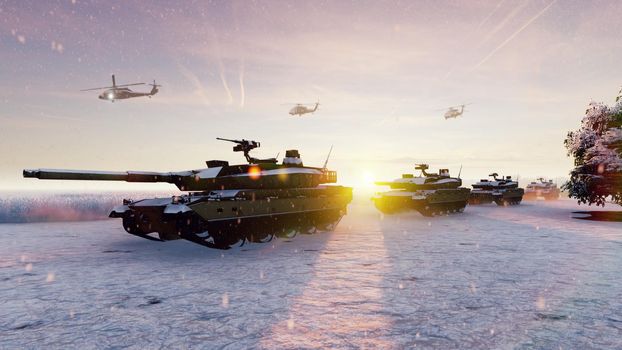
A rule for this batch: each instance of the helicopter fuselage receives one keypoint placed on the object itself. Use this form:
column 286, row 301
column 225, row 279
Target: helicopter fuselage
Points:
column 300, row 109
column 454, row 112
column 123, row 93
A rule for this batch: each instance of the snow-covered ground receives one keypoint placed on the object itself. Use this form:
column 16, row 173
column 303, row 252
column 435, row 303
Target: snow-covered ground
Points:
column 527, row 276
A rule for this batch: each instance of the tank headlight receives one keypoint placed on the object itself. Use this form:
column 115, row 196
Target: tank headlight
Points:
column 110, row 96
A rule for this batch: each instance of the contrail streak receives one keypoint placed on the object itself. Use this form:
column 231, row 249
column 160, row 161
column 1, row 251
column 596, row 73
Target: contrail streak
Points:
column 514, row 35
column 225, row 85
column 199, row 89
column 242, row 93
column 490, row 15
column 476, row 31
column 502, row 24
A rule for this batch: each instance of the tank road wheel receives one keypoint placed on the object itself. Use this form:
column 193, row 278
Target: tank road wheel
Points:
column 310, row 230
column 131, row 225
column 260, row 237
column 426, row 211
column 225, row 243
column 289, row 234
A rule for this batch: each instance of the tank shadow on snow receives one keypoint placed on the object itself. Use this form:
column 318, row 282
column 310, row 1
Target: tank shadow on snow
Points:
column 598, row 215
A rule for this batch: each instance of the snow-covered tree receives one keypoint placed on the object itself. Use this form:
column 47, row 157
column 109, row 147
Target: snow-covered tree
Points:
column 597, row 151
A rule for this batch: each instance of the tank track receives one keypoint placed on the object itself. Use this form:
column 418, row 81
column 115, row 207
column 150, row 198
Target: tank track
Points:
column 504, row 202
column 426, row 209
column 224, row 234
column 440, row 209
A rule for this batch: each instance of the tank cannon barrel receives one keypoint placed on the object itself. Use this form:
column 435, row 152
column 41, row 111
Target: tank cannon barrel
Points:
column 384, row 183
column 129, row 176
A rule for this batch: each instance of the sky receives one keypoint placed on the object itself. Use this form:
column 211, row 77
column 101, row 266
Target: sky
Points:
column 383, row 71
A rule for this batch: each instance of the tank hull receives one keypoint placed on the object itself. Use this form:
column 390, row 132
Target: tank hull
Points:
column 428, row 203
column 503, row 197
column 220, row 219
column 547, row 194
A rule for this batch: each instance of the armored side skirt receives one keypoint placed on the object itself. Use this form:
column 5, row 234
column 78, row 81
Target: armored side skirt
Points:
column 428, row 203
column 546, row 194
column 503, row 197
column 221, row 219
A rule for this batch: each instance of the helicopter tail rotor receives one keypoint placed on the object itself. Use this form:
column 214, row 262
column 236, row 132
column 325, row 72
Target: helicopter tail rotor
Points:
column 154, row 88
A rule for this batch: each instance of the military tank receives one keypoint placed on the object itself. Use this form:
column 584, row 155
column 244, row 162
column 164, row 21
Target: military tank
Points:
column 429, row 194
column 502, row 191
column 542, row 188
column 228, row 204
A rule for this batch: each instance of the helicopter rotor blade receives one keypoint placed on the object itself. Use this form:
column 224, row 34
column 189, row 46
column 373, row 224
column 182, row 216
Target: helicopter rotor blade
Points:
column 111, row 87
column 131, row 84
column 300, row 104
column 99, row 88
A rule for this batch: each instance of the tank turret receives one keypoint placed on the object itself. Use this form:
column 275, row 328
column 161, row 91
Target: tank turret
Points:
column 219, row 175
column 228, row 203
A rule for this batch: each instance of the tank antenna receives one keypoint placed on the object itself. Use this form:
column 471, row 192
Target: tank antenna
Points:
column 460, row 172
column 328, row 156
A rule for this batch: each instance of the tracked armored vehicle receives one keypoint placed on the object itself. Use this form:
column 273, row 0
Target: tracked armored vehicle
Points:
column 502, row 191
column 228, row 204
column 545, row 189
column 429, row 194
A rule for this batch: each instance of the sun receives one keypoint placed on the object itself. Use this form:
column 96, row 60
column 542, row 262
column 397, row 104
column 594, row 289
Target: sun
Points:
column 365, row 179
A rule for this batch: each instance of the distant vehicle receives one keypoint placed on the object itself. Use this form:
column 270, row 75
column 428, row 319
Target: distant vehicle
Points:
column 502, row 191
column 121, row 92
column 429, row 194
column 453, row 111
column 543, row 188
column 301, row 108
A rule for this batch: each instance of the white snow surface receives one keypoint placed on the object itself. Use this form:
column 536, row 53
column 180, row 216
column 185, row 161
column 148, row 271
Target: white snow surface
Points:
column 525, row 276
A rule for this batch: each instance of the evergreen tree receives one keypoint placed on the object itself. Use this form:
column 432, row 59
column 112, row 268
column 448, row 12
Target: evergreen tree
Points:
column 597, row 151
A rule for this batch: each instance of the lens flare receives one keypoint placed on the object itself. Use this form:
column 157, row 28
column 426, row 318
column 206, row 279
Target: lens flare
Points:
column 254, row 172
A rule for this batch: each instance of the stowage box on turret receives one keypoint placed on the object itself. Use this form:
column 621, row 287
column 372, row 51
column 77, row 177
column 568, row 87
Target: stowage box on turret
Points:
column 226, row 203
column 429, row 194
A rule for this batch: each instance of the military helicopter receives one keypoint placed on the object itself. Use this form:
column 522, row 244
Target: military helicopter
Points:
column 454, row 112
column 300, row 108
column 121, row 92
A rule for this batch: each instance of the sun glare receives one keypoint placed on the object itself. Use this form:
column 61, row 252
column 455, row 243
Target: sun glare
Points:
column 365, row 180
